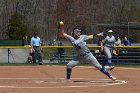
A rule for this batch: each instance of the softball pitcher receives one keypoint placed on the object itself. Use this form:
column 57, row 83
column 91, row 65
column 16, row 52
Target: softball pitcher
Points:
column 108, row 43
column 83, row 53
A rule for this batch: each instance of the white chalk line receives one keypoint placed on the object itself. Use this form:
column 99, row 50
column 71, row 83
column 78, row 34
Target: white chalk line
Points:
column 129, row 68
column 104, row 81
column 101, row 82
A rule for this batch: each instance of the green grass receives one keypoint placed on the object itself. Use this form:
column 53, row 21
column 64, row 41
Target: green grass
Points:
column 29, row 64
column 128, row 65
column 15, row 64
column 64, row 64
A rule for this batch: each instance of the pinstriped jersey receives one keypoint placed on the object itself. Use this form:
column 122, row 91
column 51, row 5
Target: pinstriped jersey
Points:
column 109, row 41
column 79, row 44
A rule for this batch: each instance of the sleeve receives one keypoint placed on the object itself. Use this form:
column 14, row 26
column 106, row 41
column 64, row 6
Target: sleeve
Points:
column 40, row 42
column 70, row 38
column 114, row 39
column 31, row 42
column 84, row 37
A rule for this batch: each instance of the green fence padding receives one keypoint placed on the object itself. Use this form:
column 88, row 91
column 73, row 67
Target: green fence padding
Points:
column 11, row 43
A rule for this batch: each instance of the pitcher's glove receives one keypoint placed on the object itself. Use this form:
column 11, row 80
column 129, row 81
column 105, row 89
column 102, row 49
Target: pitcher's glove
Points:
column 100, row 34
column 115, row 51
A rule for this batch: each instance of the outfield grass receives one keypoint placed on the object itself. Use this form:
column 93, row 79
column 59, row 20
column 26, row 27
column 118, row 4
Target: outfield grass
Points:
column 63, row 64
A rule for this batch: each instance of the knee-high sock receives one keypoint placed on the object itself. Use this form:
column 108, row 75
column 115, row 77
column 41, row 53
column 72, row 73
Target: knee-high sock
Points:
column 105, row 72
column 69, row 70
column 109, row 61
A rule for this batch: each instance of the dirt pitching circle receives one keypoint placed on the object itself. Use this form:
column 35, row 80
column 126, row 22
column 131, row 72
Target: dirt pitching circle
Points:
column 56, row 82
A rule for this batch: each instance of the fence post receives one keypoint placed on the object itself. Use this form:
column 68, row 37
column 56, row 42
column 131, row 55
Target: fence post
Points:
column 8, row 54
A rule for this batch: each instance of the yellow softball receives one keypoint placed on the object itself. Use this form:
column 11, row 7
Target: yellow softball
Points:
column 61, row 23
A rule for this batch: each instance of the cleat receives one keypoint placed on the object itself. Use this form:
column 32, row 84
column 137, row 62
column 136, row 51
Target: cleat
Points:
column 34, row 63
column 113, row 78
column 40, row 63
column 111, row 68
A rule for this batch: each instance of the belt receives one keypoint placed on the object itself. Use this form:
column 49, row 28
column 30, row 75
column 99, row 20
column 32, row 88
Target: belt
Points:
column 84, row 54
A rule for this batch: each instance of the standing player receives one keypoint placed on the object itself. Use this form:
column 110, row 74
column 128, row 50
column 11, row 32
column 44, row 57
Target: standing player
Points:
column 36, row 48
column 108, row 43
column 83, row 53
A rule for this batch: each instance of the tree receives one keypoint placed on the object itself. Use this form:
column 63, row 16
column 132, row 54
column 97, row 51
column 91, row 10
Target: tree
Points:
column 17, row 28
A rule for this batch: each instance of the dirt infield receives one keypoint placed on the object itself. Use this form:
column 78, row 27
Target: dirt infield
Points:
column 51, row 79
